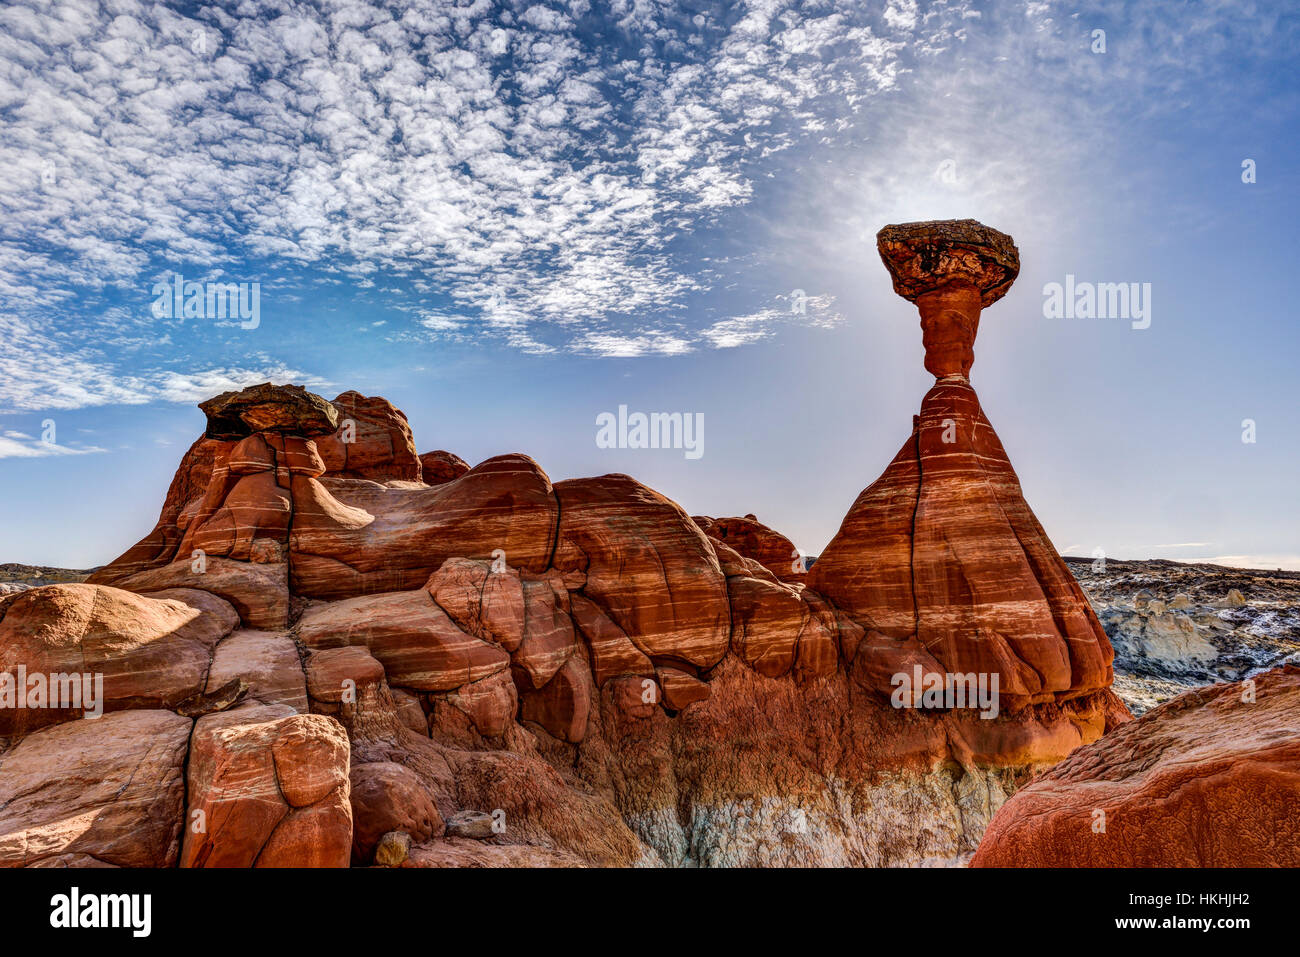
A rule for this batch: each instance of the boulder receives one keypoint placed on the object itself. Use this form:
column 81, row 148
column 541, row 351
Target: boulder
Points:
column 1207, row 779
column 418, row 645
column 149, row 652
column 102, row 792
column 336, row 674
column 752, row 539
column 549, row 638
column 288, row 409
column 267, row 661
column 259, row 592
column 766, row 620
column 680, row 689
column 439, row 467
column 489, row 703
column 648, row 567
column 373, row 441
column 389, row 797
column 612, row 652
column 270, row 788
column 487, row 602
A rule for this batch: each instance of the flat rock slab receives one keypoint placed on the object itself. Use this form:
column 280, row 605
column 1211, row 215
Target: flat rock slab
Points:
column 109, row 790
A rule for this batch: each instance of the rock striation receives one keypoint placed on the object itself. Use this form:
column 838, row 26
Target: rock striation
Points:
column 1208, row 779
column 370, row 656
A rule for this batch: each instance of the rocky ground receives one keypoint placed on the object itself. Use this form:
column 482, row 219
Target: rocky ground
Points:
column 1177, row 626
column 15, row 576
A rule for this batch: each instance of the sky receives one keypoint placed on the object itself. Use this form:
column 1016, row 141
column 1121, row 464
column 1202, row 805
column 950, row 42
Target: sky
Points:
column 509, row 218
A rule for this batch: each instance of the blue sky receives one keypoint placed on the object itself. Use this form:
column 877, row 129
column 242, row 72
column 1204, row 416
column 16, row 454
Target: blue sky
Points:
column 508, row 218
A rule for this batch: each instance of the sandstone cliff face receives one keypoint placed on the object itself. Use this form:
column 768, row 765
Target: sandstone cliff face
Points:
column 489, row 668
column 603, row 678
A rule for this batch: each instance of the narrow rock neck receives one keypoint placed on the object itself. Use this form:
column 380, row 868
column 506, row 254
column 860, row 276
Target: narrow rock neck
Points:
column 950, row 317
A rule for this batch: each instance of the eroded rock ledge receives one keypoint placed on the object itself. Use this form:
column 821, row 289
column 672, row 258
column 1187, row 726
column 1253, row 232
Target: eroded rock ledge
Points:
column 428, row 663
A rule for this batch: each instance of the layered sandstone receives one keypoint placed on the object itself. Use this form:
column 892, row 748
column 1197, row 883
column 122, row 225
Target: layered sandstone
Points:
column 401, row 659
column 1208, row 779
column 963, row 579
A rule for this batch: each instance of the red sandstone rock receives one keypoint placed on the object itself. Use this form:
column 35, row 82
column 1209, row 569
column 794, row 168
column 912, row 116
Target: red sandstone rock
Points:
column 1205, row 780
column 766, row 620
column 490, row 703
column 267, row 661
column 336, row 673
column 381, row 449
column 438, row 467
column 548, row 633
column 960, row 564
column 351, row 537
column 752, row 539
column 419, row 646
column 258, row 592
column 648, row 566
column 150, row 652
column 487, row 603
column 106, row 791
column 497, row 606
column 272, row 790
column 634, row 697
column 411, row 711
column 680, row 689
column 612, row 652
column 159, row 546
column 563, row 704
column 389, row 797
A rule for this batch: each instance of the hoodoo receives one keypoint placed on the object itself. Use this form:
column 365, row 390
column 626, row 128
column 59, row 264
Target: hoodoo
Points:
column 961, row 576
column 359, row 654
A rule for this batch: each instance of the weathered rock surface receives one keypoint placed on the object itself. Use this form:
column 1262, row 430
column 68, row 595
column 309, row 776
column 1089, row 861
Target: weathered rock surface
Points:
column 258, row 592
column 1208, row 779
column 647, row 565
column 104, row 791
column 352, row 537
column 148, row 652
column 268, row 788
column 389, row 797
column 288, row 409
column 1176, row 625
column 373, row 441
column 267, row 661
column 751, row 539
column 418, row 645
column 581, row 673
column 438, row 467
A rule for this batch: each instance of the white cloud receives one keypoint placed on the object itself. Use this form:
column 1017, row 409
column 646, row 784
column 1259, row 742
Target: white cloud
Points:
column 14, row 445
column 533, row 173
column 538, row 170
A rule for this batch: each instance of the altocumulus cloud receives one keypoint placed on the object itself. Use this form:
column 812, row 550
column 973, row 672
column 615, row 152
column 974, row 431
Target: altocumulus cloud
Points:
column 532, row 170
column 530, row 162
